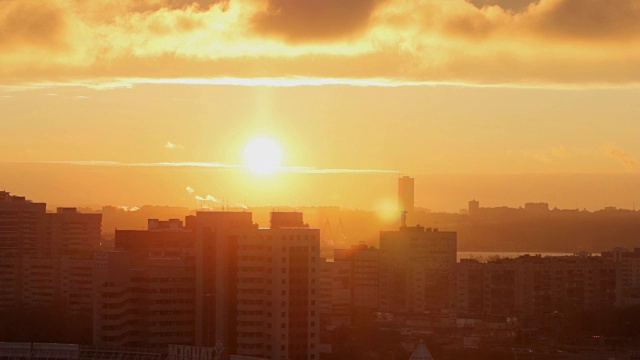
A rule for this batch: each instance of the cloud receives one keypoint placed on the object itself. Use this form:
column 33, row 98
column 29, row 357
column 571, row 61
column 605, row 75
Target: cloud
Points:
column 581, row 43
column 171, row 146
column 512, row 5
column 584, row 19
column 210, row 165
column 207, row 198
column 300, row 20
column 627, row 160
column 31, row 24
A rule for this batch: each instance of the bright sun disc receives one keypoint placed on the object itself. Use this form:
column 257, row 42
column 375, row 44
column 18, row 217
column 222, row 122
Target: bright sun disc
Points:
column 262, row 155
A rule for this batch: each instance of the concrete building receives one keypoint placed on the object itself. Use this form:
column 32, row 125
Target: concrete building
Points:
column 335, row 294
column 628, row 292
column 71, row 232
column 534, row 286
column 406, row 194
column 474, row 207
column 417, row 268
column 264, row 285
column 253, row 290
column 143, row 302
column 22, row 226
column 540, row 208
column 364, row 270
column 45, row 257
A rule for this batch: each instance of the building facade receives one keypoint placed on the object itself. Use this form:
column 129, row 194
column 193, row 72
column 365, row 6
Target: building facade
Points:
column 253, row 290
column 534, row 286
column 628, row 281
column 45, row 258
column 406, row 194
column 417, row 270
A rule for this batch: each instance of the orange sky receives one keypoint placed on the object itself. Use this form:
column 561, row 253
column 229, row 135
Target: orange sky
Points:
column 427, row 88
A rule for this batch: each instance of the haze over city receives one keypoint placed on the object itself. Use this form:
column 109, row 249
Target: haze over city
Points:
column 319, row 179
column 506, row 101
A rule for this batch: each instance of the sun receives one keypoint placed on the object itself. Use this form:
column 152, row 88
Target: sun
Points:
column 262, row 155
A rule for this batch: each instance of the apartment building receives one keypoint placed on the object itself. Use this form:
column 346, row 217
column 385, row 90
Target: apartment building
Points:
column 417, row 268
column 253, row 290
column 536, row 286
column 45, row 257
column 628, row 281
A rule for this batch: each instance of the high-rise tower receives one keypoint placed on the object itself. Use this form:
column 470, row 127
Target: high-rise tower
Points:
column 405, row 194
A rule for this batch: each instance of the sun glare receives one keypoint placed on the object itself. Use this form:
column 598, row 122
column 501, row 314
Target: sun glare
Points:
column 262, row 155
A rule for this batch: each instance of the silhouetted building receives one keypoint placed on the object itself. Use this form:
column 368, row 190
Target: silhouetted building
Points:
column 417, row 268
column 534, row 286
column 335, row 294
column 264, row 284
column 22, row 226
column 474, row 207
column 46, row 270
column 45, row 258
column 406, row 194
column 71, row 232
column 364, row 270
column 143, row 301
column 537, row 208
column 254, row 290
column 349, row 285
column 629, row 275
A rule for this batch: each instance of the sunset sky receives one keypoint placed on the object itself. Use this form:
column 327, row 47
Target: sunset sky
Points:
column 129, row 102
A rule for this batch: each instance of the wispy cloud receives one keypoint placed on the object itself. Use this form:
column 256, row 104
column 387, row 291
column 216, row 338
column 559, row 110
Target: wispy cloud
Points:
column 551, row 154
column 208, row 198
column 627, row 160
column 171, row 146
column 211, row 165
column 310, row 170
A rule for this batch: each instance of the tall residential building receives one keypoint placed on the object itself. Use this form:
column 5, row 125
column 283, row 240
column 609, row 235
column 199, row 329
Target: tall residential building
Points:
column 22, row 226
column 534, row 286
column 143, row 301
column 474, row 207
column 46, row 270
column 264, row 285
column 629, row 275
column 364, row 270
column 335, row 294
column 254, row 290
column 71, row 232
column 145, row 289
column 45, row 257
column 417, row 268
column 405, row 194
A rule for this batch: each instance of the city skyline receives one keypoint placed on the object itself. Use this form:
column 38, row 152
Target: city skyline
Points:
column 134, row 102
column 219, row 278
column 319, row 179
